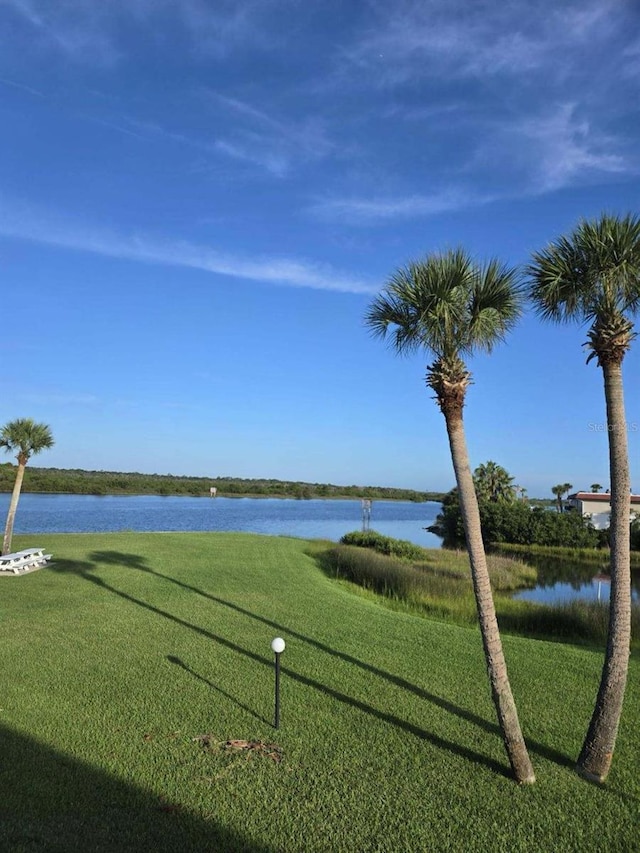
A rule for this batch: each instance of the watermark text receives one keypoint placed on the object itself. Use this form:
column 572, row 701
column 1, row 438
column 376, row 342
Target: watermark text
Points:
column 632, row 426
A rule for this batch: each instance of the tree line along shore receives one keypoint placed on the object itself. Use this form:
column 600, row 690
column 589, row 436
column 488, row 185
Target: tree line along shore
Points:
column 76, row 481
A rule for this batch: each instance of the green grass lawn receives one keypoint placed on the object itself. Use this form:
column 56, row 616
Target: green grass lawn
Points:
column 117, row 659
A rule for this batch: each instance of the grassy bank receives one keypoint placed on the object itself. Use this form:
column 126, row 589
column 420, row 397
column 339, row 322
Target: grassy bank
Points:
column 437, row 583
column 131, row 664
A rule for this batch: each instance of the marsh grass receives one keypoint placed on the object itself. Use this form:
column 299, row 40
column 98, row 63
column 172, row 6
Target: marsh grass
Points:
column 573, row 621
column 439, row 585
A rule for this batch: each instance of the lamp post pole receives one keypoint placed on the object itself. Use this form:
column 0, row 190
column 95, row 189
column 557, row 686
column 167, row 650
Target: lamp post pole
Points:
column 278, row 647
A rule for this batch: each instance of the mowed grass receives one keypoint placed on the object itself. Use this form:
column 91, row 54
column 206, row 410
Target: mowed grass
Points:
column 132, row 646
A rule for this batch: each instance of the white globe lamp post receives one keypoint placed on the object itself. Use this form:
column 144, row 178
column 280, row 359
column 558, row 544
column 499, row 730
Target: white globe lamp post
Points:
column 277, row 646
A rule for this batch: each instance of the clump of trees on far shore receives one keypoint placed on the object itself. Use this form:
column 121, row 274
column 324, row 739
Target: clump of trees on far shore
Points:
column 78, row 482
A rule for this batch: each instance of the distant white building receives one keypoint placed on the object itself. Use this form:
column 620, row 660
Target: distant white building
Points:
column 597, row 507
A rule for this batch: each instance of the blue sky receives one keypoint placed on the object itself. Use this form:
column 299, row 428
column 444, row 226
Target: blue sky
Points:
column 198, row 201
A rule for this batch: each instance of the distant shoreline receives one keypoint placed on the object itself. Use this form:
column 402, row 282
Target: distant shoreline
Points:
column 77, row 481
column 237, row 496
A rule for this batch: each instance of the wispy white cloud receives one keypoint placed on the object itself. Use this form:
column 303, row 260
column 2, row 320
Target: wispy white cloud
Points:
column 22, row 87
column 27, row 10
column 454, row 38
column 365, row 211
column 216, row 28
column 275, row 163
column 559, row 149
column 511, row 106
column 102, row 33
column 26, row 224
column 78, row 29
column 112, row 125
column 523, row 155
column 89, row 32
column 277, row 145
column 245, row 109
column 528, row 156
column 630, row 67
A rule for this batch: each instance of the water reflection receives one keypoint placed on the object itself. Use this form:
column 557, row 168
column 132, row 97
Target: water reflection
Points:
column 561, row 581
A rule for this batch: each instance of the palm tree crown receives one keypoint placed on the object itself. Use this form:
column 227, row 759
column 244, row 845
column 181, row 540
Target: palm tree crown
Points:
column 558, row 491
column 448, row 305
column 26, row 437
column 593, row 276
column 451, row 307
column 494, row 482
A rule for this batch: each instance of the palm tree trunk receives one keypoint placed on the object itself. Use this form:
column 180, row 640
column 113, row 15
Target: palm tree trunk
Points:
column 15, row 495
column 496, row 664
column 597, row 750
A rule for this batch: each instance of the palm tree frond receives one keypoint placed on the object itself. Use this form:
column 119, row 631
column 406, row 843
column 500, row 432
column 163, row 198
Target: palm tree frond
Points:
column 26, row 437
column 496, row 304
column 593, row 272
column 447, row 305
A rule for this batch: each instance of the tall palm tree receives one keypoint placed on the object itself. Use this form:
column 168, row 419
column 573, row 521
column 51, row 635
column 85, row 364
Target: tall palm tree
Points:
column 595, row 488
column 451, row 307
column 27, row 438
column 593, row 276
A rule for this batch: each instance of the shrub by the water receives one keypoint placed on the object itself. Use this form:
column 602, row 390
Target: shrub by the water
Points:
column 384, row 544
column 378, row 572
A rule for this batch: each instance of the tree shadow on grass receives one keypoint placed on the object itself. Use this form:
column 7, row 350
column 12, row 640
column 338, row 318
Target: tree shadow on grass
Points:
column 121, row 558
column 137, row 562
column 179, row 662
column 71, row 567
column 51, row 802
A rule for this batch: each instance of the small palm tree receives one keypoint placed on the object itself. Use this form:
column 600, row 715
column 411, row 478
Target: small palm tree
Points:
column 28, row 438
column 493, row 482
column 593, row 276
column 595, row 488
column 451, row 307
column 558, row 491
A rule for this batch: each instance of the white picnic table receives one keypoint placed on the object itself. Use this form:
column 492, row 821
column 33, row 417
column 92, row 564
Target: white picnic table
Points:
column 21, row 561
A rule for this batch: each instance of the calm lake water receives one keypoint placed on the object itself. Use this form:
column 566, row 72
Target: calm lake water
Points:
column 313, row 519
column 307, row 519
column 557, row 593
